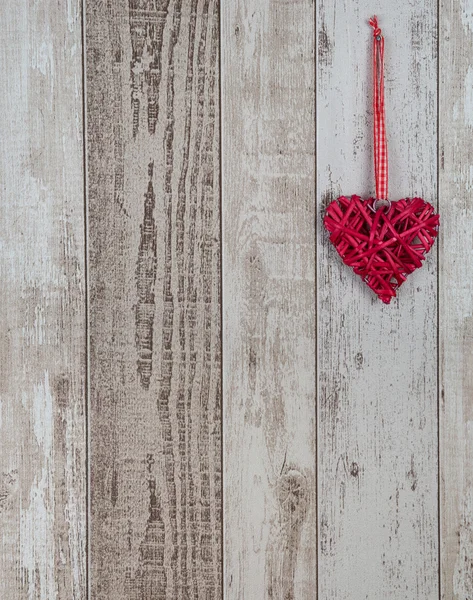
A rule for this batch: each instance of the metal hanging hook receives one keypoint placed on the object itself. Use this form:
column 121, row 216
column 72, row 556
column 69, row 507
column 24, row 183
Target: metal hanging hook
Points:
column 379, row 203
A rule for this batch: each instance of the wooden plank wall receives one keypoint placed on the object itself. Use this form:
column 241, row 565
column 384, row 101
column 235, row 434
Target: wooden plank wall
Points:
column 268, row 134
column 456, row 298
column 154, row 272
column 326, row 453
column 377, row 364
column 42, row 304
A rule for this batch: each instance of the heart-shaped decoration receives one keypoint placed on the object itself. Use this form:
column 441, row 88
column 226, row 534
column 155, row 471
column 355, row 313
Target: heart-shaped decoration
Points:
column 382, row 245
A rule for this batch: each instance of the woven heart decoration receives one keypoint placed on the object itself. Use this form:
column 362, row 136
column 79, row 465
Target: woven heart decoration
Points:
column 383, row 242
column 382, row 245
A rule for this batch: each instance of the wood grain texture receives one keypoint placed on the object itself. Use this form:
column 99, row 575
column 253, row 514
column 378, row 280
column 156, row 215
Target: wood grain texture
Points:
column 377, row 364
column 456, row 298
column 269, row 320
column 155, row 367
column 42, row 303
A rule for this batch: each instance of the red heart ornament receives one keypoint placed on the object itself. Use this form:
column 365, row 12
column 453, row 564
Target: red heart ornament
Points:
column 382, row 246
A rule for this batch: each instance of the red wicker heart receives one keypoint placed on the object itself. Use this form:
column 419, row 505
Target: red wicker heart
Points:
column 382, row 246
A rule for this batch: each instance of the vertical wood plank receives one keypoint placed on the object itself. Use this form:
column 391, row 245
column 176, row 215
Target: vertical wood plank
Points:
column 42, row 303
column 153, row 197
column 377, row 364
column 269, row 320
column 456, row 298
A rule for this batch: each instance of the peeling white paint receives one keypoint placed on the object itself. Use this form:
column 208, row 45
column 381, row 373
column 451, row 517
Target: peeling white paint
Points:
column 37, row 537
column 74, row 509
column 463, row 577
column 41, row 187
column 43, row 59
column 73, row 13
column 466, row 12
column 468, row 104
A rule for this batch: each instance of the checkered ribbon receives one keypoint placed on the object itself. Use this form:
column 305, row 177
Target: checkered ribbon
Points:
column 380, row 144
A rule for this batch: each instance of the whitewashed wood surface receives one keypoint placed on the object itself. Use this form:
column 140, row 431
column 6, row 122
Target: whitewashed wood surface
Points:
column 456, row 298
column 42, row 303
column 376, row 364
column 268, row 204
column 217, row 133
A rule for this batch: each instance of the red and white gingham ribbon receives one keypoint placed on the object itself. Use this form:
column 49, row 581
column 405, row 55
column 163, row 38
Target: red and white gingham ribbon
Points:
column 380, row 144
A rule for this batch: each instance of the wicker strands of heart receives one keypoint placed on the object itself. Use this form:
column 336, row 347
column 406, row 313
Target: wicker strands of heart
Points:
column 382, row 246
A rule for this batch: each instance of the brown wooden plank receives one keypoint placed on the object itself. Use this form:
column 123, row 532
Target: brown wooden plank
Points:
column 456, row 298
column 154, row 271
column 268, row 142
column 42, row 303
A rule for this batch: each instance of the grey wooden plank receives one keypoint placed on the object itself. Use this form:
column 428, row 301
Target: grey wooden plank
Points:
column 42, row 304
column 377, row 364
column 154, row 205
column 268, row 159
column 456, row 299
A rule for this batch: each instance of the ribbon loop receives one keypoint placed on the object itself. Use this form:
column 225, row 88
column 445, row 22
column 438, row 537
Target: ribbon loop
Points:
column 379, row 128
column 374, row 25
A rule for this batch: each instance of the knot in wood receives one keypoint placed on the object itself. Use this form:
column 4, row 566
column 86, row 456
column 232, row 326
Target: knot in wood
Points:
column 292, row 493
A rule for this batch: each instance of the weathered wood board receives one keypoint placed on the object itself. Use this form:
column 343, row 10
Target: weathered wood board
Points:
column 154, row 273
column 42, row 303
column 268, row 140
column 376, row 364
column 336, row 408
column 456, row 298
